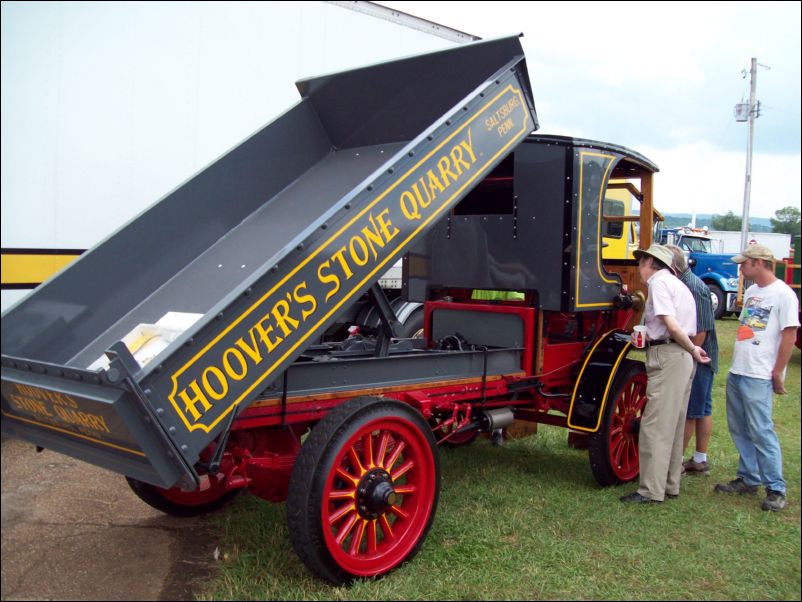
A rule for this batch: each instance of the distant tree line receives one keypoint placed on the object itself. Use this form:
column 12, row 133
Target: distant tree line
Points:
column 786, row 221
column 728, row 223
column 714, row 221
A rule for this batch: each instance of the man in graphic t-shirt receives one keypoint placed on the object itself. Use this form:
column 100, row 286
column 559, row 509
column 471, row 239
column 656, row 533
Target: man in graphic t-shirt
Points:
column 763, row 347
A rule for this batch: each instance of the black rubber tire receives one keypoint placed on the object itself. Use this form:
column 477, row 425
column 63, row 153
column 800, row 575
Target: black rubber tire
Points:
column 720, row 306
column 315, row 463
column 599, row 443
column 413, row 327
column 155, row 497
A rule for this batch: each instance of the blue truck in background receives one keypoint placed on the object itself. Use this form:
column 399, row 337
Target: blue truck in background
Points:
column 718, row 271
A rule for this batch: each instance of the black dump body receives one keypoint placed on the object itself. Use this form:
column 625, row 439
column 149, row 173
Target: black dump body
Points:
column 251, row 260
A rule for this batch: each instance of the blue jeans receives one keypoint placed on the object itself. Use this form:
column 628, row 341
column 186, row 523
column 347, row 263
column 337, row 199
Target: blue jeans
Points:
column 700, row 403
column 749, row 402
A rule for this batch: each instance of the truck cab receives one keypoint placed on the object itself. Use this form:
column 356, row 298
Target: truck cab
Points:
column 717, row 271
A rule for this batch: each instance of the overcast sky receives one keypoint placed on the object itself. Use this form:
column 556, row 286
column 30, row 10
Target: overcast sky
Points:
column 663, row 78
column 660, row 78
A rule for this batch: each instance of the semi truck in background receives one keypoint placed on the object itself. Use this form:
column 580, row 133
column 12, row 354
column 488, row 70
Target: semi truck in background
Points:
column 710, row 257
column 716, row 270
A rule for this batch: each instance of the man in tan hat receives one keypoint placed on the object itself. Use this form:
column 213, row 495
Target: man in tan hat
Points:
column 670, row 320
column 766, row 336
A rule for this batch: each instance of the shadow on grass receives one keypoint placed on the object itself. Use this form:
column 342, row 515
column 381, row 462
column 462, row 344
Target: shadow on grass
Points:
column 543, row 457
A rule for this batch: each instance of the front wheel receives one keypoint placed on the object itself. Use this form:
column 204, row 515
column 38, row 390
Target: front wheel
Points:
column 718, row 299
column 613, row 449
column 364, row 490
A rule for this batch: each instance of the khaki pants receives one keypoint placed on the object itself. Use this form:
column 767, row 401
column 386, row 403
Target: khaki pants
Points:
column 670, row 370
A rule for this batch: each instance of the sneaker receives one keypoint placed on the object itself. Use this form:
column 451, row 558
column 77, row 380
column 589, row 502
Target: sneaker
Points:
column 692, row 467
column 736, row 486
column 672, row 496
column 775, row 501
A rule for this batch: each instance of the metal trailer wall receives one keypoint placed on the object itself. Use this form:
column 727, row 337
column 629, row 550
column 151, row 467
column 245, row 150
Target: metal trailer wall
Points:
column 730, row 242
column 106, row 107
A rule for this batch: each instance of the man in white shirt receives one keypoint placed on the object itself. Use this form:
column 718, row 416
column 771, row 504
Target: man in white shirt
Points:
column 763, row 346
column 670, row 320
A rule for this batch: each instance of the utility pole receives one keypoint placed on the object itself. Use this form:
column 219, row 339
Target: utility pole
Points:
column 750, row 141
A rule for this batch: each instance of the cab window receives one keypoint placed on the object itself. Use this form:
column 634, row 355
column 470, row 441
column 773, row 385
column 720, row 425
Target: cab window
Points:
column 613, row 208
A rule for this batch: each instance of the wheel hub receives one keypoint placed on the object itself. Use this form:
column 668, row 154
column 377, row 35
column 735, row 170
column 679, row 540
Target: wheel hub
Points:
column 375, row 494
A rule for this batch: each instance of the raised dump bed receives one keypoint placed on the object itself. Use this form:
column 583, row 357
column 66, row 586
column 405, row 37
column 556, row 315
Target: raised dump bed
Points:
column 141, row 352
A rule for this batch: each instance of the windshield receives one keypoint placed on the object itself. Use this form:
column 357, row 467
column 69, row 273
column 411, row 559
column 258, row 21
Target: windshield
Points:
column 696, row 245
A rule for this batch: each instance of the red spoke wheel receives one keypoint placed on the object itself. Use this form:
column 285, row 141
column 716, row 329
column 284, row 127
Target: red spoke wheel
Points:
column 364, row 490
column 213, row 495
column 613, row 450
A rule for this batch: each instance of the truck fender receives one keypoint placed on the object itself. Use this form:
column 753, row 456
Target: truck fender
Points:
column 717, row 279
column 593, row 383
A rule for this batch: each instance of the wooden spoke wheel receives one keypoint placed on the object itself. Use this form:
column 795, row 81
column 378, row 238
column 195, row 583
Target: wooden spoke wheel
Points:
column 364, row 490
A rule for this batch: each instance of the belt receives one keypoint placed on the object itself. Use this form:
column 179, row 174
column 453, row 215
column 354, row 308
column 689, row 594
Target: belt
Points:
column 656, row 342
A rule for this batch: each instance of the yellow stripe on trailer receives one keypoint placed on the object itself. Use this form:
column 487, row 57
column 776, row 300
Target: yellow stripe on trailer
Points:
column 33, row 268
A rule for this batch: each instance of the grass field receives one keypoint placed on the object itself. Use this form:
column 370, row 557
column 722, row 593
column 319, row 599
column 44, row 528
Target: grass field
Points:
column 527, row 521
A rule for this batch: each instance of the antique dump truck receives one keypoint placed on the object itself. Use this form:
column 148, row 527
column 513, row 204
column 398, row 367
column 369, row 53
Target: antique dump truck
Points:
column 184, row 351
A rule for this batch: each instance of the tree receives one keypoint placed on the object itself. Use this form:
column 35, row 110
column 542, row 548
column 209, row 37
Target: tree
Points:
column 788, row 220
column 727, row 223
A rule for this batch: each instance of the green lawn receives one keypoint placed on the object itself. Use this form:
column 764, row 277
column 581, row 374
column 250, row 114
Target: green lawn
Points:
column 527, row 521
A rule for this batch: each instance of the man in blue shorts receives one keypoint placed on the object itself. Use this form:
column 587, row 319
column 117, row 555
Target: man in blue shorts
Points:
column 699, row 419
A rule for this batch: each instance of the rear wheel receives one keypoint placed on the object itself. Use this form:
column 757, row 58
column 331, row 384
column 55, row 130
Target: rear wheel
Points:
column 364, row 490
column 448, row 434
column 613, row 449
column 212, row 496
column 412, row 328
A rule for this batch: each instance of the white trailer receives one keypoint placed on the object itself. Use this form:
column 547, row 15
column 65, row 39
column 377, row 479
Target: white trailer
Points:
column 106, row 107
column 730, row 242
